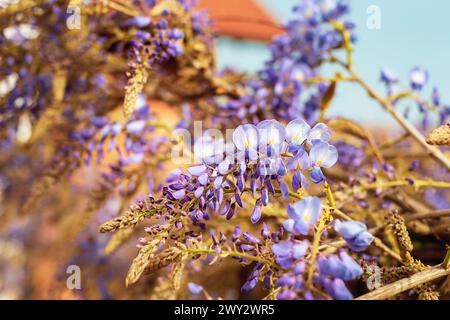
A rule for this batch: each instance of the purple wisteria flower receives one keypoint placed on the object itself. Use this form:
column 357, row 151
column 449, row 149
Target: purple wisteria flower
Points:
column 256, row 215
column 299, row 163
column 293, row 279
column 323, row 155
column 355, row 233
column 290, row 251
column 388, row 77
column 265, row 143
column 195, row 288
column 303, row 215
column 319, row 133
column 290, row 78
column 246, row 140
column 283, row 88
column 101, row 134
column 336, row 288
column 216, row 184
column 298, row 131
column 209, row 150
column 287, row 295
column 390, row 80
column 271, row 137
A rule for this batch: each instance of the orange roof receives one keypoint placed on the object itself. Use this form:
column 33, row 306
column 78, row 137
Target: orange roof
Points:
column 244, row 19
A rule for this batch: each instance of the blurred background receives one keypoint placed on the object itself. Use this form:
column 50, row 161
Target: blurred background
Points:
column 412, row 33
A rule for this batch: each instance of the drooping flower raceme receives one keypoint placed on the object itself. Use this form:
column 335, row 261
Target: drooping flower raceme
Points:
column 271, row 137
column 261, row 158
column 283, row 89
column 323, row 155
column 259, row 162
column 337, row 289
column 418, row 78
column 334, row 270
column 195, row 288
column 342, row 266
column 259, row 165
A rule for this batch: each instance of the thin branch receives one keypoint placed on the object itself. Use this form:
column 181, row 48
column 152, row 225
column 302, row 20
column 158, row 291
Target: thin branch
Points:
column 377, row 242
column 314, row 251
column 404, row 183
column 393, row 142
column 414, row 97
column 428, row 215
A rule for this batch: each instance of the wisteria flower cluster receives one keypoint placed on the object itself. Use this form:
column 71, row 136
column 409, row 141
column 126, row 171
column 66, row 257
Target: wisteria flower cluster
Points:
column 271, row 163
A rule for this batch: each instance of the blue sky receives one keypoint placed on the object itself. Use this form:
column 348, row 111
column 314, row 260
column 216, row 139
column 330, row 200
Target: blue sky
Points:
column 412, row 33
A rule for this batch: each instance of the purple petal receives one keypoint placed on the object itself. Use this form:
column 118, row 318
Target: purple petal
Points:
column 197, row 170
column 135, row 127
column 195, row 288
column 198, row 193
column 180, row 194
column 256, row 215
column 297, row 131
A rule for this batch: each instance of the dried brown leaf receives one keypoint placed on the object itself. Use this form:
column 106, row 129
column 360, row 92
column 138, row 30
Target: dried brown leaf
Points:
column 348, row 126
column 327, row 98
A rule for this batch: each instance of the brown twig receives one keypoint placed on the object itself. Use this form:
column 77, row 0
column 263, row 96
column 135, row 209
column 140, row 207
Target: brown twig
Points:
column 428, row 215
